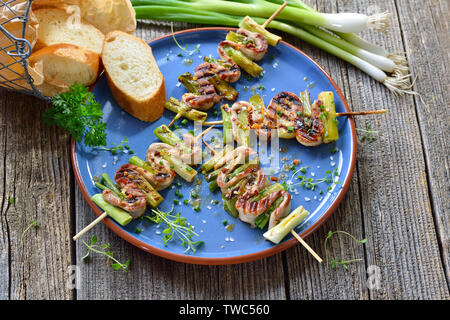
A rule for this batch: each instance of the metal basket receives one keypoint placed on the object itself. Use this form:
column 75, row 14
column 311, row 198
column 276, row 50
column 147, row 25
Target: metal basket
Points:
column 18, row 50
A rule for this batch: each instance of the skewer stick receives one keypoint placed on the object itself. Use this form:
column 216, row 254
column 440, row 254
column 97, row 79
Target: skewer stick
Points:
column 90, row 226
column 341, row 114
column 203, row 133
column 313, row 253
column 177, row 116
column 360, row 113
column 212, row 123
column 209, row 147
column 274, row 15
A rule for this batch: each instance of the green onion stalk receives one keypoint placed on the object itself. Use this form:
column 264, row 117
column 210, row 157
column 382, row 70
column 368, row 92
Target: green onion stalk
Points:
column 228, row 13
column 342, row 22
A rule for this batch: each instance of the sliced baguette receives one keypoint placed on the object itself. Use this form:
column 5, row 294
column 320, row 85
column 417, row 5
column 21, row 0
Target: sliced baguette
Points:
column 105, row 15
column 63, row 65
column 57, row 26
column 133, row 76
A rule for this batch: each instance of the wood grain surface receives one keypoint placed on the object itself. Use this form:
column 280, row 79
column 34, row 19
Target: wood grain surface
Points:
column 398, row 198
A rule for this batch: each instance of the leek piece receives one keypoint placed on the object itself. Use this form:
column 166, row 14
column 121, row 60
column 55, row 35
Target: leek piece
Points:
column 180, row 108
column 251, row 25
column 138, row 162
column 243, row 130
column 229, row 206
column 227, row 126
column 183, row 170
column 306, row 102
column 331, row 132
column 209, row 165
column 120, row 216
column 164, row 134
column 277, row 233
column 244, row 62
column 110, row 185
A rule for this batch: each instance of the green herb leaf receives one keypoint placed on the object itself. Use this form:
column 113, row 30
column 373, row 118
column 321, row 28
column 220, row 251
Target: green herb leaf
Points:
column 80, row 114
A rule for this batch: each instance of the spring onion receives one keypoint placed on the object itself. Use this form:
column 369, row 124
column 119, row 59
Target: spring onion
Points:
column 120, row 216
column 343, row 22
column 184, row 110
column 277, row 233
column 370, row 59
column 331, row 132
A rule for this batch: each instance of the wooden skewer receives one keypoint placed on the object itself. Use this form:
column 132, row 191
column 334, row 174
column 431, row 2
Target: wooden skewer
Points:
column 341, row 114
column 314, row 254
column 274, row 15
column 177, row 116
column 360, row 113
column 90, row 226
column 209, row 147
column 203, row 133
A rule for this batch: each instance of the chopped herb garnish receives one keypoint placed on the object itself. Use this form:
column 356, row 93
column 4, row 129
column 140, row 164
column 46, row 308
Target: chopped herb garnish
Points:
column 120, row 147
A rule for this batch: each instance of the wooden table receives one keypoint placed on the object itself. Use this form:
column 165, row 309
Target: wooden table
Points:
column 398, row 198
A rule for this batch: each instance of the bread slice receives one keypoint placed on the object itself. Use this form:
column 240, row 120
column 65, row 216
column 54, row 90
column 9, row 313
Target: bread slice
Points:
column 50, row 90
column 57, row 26
column 133, row 76
column 63, row 65
column 105, row 15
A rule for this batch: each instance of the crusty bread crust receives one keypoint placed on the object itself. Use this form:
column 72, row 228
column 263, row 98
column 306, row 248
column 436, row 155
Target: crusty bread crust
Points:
column 105, row 15
column 69, row 51
column 149, row 109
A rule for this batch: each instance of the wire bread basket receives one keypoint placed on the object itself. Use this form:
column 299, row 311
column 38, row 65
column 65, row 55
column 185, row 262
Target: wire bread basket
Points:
column 16, row 42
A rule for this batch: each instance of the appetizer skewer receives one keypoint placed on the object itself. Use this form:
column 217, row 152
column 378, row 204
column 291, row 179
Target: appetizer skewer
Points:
column 292, row 117
column 266, row 201
column 138, row 182
column 211, row 80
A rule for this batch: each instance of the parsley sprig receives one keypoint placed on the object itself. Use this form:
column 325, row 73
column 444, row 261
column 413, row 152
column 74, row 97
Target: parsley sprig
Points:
column 338, row 261
column 94, row 247
column 177, row 227
column 80, row 114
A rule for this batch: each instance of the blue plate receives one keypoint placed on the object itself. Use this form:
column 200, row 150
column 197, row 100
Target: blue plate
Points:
column 285, row 69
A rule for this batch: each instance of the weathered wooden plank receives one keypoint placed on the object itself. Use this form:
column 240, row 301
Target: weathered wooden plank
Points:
column 36, row 174
column 394, row 195
column 152, row 277
column 393, row 190
column 307, row 279
column 425, row 32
